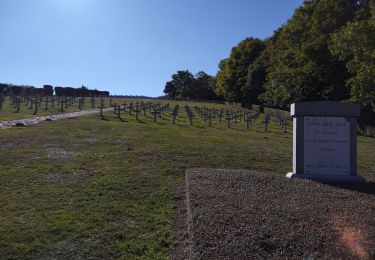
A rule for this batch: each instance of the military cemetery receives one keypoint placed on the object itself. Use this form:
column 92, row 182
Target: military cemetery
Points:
column 270, row 154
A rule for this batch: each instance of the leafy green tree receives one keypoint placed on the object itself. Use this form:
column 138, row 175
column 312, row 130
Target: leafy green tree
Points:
column 204, row 87
column 170, row 89
column 48, row 90
column 181, row 85
column 233, row 74
column 185, row 83
column 3, row 87
column 185, row 86
column 300, row 65
column 256, row 77
column 222, row 79
column 355, row 45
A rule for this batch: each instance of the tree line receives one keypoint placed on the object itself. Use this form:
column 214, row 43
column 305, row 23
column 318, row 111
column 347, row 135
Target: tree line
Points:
column 326, row 51
column 185, row 85
column 48, row 90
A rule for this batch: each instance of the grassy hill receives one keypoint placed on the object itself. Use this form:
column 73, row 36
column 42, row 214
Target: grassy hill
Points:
column 86, row 187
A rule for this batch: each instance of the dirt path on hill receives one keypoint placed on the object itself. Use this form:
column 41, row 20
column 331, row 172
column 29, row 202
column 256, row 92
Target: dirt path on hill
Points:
column 36, row 120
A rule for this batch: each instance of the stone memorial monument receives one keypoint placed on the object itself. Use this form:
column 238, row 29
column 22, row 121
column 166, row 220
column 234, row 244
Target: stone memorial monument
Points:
column 325, row 141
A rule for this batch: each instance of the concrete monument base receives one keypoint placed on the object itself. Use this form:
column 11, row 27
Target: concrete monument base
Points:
column 350, row 179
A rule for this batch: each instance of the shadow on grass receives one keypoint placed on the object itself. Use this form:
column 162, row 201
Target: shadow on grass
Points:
column 220, row 128
column 366, row 188
column 240, row 130
column 122, row 120
column 199, row 126
column 104, row 118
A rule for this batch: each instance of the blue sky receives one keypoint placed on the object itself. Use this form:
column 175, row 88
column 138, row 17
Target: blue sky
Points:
column 126, row 46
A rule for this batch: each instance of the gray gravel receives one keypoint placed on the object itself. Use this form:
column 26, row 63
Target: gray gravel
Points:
column 237, row 214
column 36, row 120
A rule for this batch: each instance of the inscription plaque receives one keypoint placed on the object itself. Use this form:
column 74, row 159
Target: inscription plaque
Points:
column 325, row 141
column 326, row 145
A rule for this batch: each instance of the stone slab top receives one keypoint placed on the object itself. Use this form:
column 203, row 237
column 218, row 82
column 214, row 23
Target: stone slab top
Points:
column 325, row 108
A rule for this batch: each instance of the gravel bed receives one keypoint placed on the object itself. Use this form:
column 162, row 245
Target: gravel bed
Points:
column 238, row 214
column 36, row 120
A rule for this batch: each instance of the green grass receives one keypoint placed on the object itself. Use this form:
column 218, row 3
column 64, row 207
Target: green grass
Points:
column 87, row 187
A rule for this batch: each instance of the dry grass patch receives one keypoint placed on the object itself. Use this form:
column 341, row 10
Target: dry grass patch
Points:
column 67, row 179
column 61, row 156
